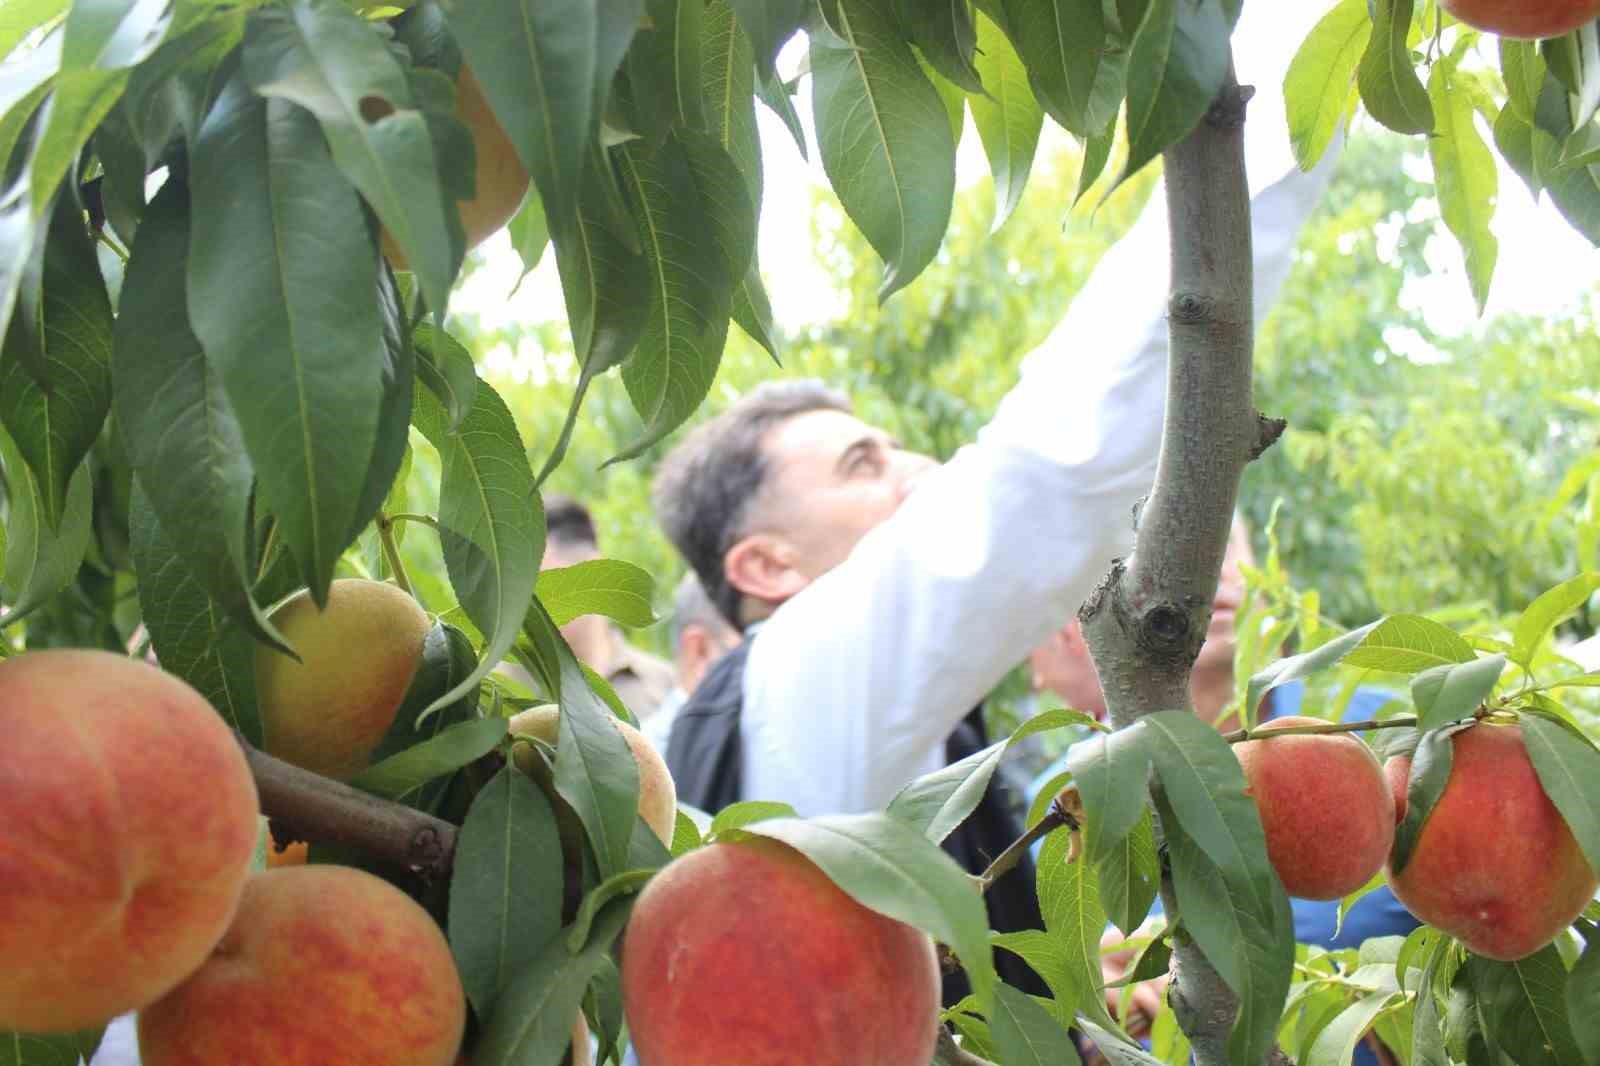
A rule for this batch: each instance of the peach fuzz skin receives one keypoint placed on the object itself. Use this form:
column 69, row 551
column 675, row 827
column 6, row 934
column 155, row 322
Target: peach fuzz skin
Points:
column 746, row 954
column 1495, row 865
column 324, row 966
column 129, row 822
column 1325, row 807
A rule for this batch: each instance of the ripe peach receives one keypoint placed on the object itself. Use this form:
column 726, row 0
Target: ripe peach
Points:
column 327, row 712
column 323, row 964
column 129, row 824
column 658, row 796
column 1496, row 865
column 1524, row 18
column 746, row 954
column 1326, row 809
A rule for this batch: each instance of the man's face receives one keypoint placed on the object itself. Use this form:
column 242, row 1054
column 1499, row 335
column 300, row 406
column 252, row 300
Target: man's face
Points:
column 831, row 479
column 1222, row 638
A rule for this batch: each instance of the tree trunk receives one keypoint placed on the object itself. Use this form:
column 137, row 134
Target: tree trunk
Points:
column 1146, row 622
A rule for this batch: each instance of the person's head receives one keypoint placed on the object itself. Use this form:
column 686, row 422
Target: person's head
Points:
column 569, row 533
column 1062, row 664
column 776, row 491
column 700, row 635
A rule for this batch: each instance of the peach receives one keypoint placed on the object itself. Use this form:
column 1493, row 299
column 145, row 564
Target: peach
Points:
column 1325, row 807
column 658, row 796
column 1495, row 866
column 129, row 825
column 746, row 954
column 1524, row 18
column 325, row 965
column 327, row 712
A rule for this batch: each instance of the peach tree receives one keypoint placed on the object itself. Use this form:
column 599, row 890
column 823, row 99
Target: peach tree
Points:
column 229, row 237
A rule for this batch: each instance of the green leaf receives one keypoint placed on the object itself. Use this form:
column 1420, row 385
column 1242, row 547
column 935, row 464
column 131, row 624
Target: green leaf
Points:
column 445, row 366
column 738, row 815
column 1008, row 117
column 1317, row 84
column 530, row 233
column 769, row 23
column 506, row 886
column 1110, row 772
column 1523, row 1005
column 1308, row 663
column 1389, row 86
column 694, row 218
column 447, row 657
column 944, row 32
column 627, row 883
column 1569, row 769
column 1176, row 65
column 1583, row 1000
column 191, row 636
column 397, row 377
column 540, row 65
column 1549, row 610
column 532, row 1017
column 1336, row 1044
column 406, row 772
column 609, row 587
column 1119, row 1052
column 55, row 420
column 778, row 97
column 1069, row 901
column 277, row 230
column 1409, row 644
column 1430, row 772
column 180, row 433
column 1464, row 176
column 1130, row 876
column 338, row 66
column 491, row 524
column 1229, row 895
column 21, row 17
column 885, row 140
column 1453, row 691
column 40, row 561
column 891, row 868
column 100, row 41
column 1427, row 1023
column 938, row 802
column 594, row 769
column 1576, row 194
column 1046, row 956
column 685, row 833
column 1025, row 1034
column 1074, row 67
column 43, row 1049
column 664, row 67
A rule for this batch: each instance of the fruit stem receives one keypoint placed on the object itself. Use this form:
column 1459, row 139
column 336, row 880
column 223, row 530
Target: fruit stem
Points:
column 1261, row 731
column 391, row 552
column 948, row 1053
column 1054, row 818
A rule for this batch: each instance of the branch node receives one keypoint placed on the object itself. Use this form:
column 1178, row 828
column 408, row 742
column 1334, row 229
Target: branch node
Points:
column 1227, row 110
column 1190, row 308
column 1268, row 430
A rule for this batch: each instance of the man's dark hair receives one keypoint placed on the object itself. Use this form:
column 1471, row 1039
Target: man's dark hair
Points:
column 568, row 523
column 705, row 486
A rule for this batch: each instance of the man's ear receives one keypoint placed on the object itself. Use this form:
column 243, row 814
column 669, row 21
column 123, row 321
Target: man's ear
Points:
column 761, row 566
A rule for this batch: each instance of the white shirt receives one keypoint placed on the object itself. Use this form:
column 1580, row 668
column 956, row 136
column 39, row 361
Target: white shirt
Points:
column 853, row 685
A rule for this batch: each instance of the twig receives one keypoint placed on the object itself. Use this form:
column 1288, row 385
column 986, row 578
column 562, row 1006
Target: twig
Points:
column 1265, row 730
column 948, row 1053
column 306, row 806
column 1008, row 859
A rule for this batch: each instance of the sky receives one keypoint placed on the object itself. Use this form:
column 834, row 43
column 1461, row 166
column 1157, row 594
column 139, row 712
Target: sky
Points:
column 1544, row 266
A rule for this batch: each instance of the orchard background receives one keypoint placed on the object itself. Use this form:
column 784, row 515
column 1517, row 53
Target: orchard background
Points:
column 220, row 390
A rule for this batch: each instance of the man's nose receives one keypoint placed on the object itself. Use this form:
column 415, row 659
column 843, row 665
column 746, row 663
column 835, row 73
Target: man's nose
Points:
column 909, row 469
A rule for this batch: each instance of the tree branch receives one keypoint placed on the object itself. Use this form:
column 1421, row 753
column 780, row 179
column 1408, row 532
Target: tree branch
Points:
column 1240, row 735
column 302, row 805
column 1003, row 864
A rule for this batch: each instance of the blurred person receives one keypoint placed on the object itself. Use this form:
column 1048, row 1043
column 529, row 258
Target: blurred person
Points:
column 883, row 595
column 1061, row 664
column 641, row 680
column 700, row 636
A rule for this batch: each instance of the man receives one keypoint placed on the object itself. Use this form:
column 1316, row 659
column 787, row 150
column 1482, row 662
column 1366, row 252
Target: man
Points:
column 700, row 636
column 883, row 595
column 640, row 680
column 1061, row 664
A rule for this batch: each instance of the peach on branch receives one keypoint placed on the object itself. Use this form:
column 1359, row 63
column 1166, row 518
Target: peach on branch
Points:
column 129, row 824
column 746, row 954
column 1495, row 866
column 327, row 712
column 1325, row 807
column 323, row 964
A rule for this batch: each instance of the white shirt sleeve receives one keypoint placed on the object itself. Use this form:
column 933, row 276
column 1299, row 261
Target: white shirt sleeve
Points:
column 853, row 685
